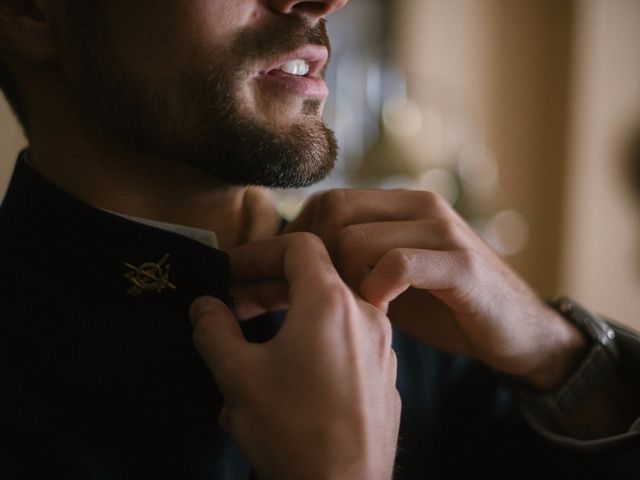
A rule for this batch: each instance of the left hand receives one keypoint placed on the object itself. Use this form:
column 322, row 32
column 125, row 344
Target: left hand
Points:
column 412, row 253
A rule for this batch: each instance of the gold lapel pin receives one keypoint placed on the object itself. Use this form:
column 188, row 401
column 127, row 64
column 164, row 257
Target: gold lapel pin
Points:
column 149, row 277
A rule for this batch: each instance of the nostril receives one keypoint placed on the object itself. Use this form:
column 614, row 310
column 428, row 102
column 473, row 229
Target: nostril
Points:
column 314, row 8
column 309, row 8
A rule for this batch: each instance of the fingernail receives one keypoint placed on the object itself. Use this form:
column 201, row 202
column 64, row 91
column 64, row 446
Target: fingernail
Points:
column 199, row 307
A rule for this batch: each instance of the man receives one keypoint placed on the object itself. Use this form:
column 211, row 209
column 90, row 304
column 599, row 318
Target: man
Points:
column 152, row 125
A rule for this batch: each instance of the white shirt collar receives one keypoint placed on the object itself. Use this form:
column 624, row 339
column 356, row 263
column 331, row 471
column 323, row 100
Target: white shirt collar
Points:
column 206, row 237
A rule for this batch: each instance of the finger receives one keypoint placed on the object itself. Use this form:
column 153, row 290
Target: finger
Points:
column 297, row 257
column 365, row 206
column 397, row 402
column 257, row 297
column 325, row 214
column 360, row 247
column 257, row 261
column 302, row 261
column 399, row 269
column 304, row 220
column 217, row 336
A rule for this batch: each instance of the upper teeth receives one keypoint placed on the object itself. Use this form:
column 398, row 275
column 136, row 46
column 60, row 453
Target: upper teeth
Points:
column 296, row 67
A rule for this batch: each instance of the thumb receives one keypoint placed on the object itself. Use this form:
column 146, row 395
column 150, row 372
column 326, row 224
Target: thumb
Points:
column 217, row 336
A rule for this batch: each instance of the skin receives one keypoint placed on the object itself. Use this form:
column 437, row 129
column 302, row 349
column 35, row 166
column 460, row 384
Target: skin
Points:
column 103, row 170
column 345, row 370
column 406, row 252
column 410, row 252
column 354, row 386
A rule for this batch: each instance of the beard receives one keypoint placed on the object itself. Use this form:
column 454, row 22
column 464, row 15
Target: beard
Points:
column 195, row 114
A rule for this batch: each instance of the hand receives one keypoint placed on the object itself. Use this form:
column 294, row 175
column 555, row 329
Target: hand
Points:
column 410, row 252
column 318, row 401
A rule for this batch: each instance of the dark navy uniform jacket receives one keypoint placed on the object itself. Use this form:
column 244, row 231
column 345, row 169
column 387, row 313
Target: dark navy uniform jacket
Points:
column 98, row 384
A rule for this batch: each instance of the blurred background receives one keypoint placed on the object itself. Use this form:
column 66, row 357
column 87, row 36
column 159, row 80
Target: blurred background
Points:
column 523, row 114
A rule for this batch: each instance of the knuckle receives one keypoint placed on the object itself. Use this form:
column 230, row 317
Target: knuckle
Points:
column 448, row 230
column 332, row 292
column 342, row 296
column 309, row 207
column 350, row 240
column 332, row 203
column 431, row 201
column 306, row 240
column 398, row 401
column 399, row 263
column 393, row 364
column 315, row 198
column 382, row 331
column 386, row 333
column 469, row 263
column 338, row 301
column 439, row 203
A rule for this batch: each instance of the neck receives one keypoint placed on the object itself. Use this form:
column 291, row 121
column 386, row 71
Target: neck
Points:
column 110, row 177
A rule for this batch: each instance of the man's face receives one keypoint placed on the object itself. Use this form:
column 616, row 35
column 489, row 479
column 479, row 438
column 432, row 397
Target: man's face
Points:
column 232, row 86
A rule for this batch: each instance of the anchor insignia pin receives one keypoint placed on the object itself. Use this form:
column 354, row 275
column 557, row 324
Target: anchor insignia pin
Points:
column 149, row 277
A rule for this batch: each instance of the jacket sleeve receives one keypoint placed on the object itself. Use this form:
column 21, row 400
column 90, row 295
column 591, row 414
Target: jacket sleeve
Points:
column 628, row 366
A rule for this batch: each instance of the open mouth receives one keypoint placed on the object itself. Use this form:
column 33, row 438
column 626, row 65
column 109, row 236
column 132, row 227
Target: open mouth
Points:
column 297, row 68
column 299, row 72
column 307, row 62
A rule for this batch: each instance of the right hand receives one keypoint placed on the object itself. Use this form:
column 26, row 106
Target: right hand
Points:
column 318, row 401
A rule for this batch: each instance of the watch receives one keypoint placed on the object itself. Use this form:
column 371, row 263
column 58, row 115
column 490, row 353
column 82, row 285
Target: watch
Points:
column 592, row 371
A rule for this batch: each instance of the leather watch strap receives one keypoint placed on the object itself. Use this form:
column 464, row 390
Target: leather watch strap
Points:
column 592, row 371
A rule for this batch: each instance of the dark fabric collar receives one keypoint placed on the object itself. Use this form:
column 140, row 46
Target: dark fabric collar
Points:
column 110, row 380
column 88, row 249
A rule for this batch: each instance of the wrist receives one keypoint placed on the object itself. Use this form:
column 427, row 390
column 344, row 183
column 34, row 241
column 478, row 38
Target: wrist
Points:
column 360, row 470
column 594, row 370
column 565, row 345
column 335, row 451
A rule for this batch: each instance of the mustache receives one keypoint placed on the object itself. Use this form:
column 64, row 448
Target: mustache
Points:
column 280, row 36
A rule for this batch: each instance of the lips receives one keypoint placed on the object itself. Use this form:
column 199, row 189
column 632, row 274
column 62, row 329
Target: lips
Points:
column 298, row 73
column 315, row 56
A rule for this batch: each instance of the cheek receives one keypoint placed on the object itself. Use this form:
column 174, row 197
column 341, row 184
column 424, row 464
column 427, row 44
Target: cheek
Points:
column 159, row 36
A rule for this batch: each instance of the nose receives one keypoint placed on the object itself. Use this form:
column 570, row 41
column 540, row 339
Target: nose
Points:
column 307, row 8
